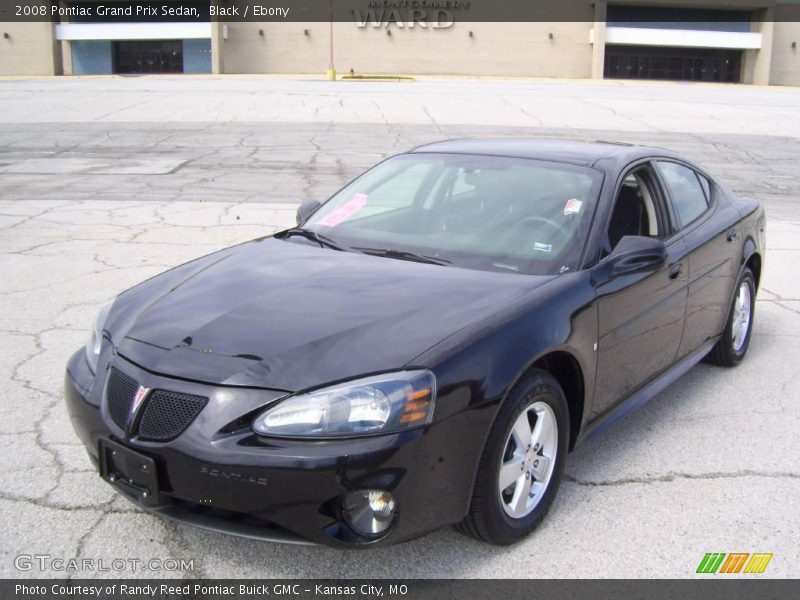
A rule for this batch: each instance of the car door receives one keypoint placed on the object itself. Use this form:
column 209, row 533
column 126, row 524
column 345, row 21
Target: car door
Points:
column 640, row 315
column 708, row 227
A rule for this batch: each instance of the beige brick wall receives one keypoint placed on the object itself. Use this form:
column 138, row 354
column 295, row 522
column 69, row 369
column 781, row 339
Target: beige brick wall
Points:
column 785, row 68
column 494, row 49
column 501, row 49
column 29, row 51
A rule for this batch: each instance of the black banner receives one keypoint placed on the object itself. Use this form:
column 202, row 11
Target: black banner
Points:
column 733, row 588
column 385, row 11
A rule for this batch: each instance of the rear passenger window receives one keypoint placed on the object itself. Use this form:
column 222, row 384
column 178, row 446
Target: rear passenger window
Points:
column 689, row 195
column 706, row 186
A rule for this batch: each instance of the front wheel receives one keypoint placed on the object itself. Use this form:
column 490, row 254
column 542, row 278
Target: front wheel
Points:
column 521, row 466
column 732, row 346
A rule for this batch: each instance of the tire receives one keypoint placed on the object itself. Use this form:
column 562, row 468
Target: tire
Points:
column 730, row 349
column 505, row 517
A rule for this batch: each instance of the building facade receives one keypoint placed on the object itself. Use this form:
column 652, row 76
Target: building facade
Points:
column 746, row 42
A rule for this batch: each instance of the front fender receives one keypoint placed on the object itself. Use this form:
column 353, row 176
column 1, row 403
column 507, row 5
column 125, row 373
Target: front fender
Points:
column 492, row 356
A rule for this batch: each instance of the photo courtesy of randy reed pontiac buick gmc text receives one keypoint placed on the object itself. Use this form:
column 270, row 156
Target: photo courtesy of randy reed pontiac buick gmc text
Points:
column 191, row 590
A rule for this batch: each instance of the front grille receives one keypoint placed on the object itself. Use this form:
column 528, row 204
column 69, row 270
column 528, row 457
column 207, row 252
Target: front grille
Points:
column 120, row 392
column 167, row 414
column 164, row 415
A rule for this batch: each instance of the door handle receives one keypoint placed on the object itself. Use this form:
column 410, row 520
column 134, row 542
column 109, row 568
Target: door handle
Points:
column 675, row 270
column 732, row 235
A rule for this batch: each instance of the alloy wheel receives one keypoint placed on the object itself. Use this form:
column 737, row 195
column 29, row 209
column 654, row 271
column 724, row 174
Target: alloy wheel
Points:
column 741, row 316
column 528, row 460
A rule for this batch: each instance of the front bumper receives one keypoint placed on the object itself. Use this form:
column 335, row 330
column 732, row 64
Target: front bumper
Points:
column 228, row 479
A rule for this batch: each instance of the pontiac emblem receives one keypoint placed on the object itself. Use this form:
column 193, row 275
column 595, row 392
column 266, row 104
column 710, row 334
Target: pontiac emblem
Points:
column 141, row 393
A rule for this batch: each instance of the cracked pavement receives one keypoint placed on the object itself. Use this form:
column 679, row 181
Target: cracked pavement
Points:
column 107, row 181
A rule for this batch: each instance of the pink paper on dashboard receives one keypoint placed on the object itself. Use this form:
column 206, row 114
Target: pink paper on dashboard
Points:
column 345, row 211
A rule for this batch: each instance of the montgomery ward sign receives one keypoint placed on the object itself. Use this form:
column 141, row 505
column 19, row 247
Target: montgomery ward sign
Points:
column 407, row 14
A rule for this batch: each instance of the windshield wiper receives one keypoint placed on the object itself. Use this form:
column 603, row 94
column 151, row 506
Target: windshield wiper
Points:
column 310, row 235
column 403, row 255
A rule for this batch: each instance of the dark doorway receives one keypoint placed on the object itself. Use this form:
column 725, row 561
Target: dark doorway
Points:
column 678, row 64
column 149, row 56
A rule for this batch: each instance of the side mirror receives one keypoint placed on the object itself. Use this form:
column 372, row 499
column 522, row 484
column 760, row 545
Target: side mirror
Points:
column 306, row 209
column 633, row 254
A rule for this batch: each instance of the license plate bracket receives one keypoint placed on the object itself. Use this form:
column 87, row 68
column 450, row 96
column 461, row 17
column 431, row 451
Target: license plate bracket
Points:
column 133, row 473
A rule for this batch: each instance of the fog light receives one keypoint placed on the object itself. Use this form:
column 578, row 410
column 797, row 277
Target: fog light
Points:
column 369, row 512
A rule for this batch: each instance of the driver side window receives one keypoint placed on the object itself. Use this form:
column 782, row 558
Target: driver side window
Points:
column 635, row 209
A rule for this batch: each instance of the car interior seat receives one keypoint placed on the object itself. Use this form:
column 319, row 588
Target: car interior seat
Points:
column 629, row 216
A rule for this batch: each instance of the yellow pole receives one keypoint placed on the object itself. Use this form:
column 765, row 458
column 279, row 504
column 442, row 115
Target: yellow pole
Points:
column 331, row 73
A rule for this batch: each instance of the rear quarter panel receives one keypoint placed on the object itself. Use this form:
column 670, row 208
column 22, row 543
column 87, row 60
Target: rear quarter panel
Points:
column 754, row 229
column 713, row 268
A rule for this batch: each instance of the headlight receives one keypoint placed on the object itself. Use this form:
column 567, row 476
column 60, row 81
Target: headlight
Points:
column 96, row 338
column 381, row 404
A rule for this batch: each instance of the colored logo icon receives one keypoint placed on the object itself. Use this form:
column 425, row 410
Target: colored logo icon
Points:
column 734, row 562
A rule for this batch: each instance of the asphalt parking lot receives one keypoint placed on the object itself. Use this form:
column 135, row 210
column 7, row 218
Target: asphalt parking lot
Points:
column 107, row 181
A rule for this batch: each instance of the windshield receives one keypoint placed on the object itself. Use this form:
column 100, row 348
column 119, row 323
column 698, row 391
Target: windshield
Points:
column 478, row 212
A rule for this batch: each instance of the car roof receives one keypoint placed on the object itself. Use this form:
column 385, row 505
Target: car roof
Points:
column 585, row 153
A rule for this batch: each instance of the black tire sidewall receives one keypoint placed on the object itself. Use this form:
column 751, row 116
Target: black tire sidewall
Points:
column 537, row 386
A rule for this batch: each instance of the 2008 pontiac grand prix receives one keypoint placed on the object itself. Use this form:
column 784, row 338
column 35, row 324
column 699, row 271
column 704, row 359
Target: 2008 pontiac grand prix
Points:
column 424, row 348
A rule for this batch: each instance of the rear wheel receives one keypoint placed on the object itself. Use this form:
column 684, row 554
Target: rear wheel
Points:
column 521, row 466
column 731, row 348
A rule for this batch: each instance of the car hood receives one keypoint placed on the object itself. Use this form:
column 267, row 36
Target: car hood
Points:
column 290, row 315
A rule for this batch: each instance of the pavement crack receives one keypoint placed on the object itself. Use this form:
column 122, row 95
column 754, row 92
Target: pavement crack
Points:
column 28, row 384
column 781, row 304
column 41, row 503
column 522, row 110
column 434, row 121
column 671, row 477
column 121, row 109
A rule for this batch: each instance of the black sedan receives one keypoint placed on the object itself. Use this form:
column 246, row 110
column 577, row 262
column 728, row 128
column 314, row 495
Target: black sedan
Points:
column 424, row 348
